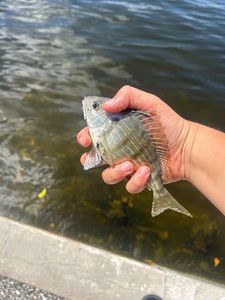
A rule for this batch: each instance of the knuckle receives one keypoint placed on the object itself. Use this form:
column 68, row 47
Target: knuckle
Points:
column 126, row 88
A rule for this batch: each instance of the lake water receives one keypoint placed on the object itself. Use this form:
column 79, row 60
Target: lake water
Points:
column 52, row 54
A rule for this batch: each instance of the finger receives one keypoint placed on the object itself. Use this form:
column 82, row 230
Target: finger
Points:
column 83, row 157
column 130, row 97
column 138, row 181
column 117, row 173
column 83, row 137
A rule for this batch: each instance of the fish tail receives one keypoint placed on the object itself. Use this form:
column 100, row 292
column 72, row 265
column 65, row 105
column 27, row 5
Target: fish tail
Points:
column 163, row 201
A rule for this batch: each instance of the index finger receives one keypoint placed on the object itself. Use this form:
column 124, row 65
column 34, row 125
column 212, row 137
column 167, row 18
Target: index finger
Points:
column 83, row 137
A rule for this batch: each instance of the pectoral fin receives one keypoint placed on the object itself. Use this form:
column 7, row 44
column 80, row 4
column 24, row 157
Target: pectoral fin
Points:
column 93, row 160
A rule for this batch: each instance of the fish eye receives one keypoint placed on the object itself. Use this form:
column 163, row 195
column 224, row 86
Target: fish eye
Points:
column 95, row 105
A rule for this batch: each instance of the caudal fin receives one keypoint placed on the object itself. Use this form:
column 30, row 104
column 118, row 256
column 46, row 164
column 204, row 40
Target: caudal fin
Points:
column 166, row 201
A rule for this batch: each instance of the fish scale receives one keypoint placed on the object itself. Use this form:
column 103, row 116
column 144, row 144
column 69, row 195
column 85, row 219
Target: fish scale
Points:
column 130, row 135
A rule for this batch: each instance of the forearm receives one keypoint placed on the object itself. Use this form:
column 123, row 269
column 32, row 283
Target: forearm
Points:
column 206, row 170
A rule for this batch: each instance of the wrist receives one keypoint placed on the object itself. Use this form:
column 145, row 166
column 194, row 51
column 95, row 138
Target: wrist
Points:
column 188, row 149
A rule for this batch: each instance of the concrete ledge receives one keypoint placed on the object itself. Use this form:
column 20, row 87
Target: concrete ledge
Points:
column 77, row 271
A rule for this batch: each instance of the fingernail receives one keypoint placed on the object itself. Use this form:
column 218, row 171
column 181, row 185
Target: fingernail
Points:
column 111, row 101
column 144, row 171
column 81, row 140
column 126, row 167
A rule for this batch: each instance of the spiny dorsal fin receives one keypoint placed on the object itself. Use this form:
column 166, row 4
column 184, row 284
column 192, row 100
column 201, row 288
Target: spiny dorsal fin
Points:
column 156, row 132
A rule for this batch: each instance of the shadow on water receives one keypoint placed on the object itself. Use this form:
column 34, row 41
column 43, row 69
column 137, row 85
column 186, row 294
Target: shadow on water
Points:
column 55, row 52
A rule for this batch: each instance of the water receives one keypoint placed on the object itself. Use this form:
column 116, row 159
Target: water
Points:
column 52, row 54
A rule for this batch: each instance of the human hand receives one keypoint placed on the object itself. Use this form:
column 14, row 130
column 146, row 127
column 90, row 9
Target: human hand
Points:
column 176, row 130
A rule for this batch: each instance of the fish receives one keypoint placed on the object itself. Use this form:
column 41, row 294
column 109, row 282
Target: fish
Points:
column 132, row 135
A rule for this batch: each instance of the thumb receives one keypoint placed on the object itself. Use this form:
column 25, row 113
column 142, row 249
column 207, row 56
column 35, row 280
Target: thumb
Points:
column 130, row 97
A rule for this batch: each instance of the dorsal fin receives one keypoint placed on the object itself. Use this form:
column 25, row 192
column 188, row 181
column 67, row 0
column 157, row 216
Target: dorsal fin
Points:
column 156, row 132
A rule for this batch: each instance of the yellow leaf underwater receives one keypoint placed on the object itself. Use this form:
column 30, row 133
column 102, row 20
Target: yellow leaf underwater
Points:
column 216, row 261
column 149, row 262
column 42, row 194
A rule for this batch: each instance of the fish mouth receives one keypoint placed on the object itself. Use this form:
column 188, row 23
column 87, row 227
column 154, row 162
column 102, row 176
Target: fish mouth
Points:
column 86, row 104
column 84, row 110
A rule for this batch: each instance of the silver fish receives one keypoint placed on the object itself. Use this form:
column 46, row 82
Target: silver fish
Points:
column 130, row 135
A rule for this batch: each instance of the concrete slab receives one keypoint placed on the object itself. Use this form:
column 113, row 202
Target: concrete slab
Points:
column 77, row 271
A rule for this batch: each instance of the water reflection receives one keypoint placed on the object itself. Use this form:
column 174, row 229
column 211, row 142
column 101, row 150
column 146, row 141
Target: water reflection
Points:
column 52, row 53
